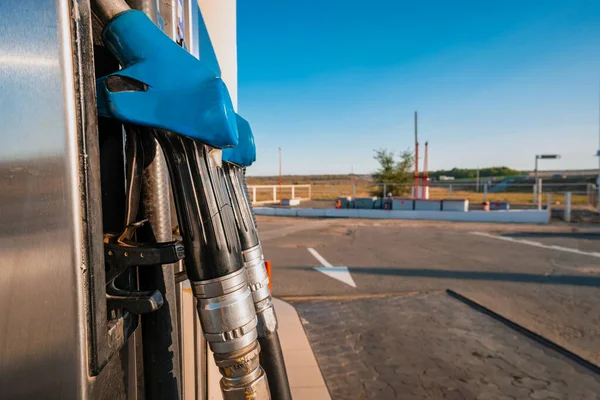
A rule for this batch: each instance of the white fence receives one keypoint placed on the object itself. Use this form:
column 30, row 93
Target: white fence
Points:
column 272, row 194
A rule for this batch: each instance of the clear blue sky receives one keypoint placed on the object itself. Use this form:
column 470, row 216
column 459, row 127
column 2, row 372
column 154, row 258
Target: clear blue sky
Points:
column 495, row 82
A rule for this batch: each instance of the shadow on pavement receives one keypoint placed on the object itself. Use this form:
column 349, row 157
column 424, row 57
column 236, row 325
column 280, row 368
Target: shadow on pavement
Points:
column 575, row 280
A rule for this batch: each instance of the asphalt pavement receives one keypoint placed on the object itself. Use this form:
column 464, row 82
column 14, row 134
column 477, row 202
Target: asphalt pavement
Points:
column 544, row 278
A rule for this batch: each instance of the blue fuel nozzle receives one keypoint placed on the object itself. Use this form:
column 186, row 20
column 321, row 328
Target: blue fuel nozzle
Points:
column 163, row 86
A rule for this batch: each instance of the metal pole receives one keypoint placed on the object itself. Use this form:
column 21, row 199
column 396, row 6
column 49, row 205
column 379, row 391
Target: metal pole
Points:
column 293, row 192
column 254, row 194
column 588, row 192
column 549, row 202
column 416, row 178
column 485, row 192
column 280, row 173
column 477, row 181
column 539, row 193
column 567, row 216
column 416, row 146
column 353, row 183
column 449, row 191
column 384, row 187
column 274, row 193
column 598, row 195
column 535, row 178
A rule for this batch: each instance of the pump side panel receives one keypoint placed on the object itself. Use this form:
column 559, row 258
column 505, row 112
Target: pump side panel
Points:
column 42, row 324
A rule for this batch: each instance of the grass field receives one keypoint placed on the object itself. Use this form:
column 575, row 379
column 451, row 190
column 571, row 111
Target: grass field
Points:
column 331, row 191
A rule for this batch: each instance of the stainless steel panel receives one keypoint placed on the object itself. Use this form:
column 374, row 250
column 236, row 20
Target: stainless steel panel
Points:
column 42, row 262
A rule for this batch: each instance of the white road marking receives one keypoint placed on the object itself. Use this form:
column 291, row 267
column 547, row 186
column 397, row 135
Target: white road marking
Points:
column 319, row 258
column 342, row 274
column 538, row 244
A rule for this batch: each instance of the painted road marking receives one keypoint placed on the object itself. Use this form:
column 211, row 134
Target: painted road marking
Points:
column 342, row 274
column 538, row 244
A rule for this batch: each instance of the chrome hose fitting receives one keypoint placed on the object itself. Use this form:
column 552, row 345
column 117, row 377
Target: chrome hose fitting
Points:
column 226, row 311
column 258, row 281
column 243, row 378
column 254, row 262
column 229, row 322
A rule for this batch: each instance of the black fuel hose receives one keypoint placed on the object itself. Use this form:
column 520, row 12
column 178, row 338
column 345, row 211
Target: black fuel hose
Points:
column 272, row 361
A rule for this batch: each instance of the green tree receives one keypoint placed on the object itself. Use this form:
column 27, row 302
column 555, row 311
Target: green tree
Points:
column 394, row 169
column 463, row 173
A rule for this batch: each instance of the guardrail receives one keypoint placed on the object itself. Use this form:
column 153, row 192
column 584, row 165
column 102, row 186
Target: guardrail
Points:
column 272, row 194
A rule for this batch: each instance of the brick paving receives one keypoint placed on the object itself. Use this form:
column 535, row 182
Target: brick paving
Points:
column 430, row 346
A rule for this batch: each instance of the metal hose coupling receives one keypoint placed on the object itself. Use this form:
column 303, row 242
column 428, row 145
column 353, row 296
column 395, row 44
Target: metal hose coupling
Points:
column 229, row 322
column 254, row 263
column 243, row 378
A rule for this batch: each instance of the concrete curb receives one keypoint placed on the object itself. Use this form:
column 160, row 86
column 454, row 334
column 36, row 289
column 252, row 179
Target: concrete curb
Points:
column 509, row 216
column 306, row 380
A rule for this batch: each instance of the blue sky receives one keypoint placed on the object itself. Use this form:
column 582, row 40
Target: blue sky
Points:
column 495, row 82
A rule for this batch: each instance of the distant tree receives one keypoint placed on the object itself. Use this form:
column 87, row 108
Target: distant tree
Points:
column 463, row 173
column 394, row 169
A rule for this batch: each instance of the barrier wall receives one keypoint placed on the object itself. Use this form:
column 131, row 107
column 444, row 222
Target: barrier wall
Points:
column 428, row 205
column 403, row 204
column 455, row 205
column 512, row 216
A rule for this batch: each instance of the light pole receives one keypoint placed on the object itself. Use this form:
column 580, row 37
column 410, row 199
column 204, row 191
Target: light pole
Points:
column 280, row 174
column 536, row 183
column 598, row 183
column 598, row 155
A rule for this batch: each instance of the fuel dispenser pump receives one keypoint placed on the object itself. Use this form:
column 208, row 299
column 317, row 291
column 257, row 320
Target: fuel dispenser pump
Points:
column 173, row 96
column 235, row 160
